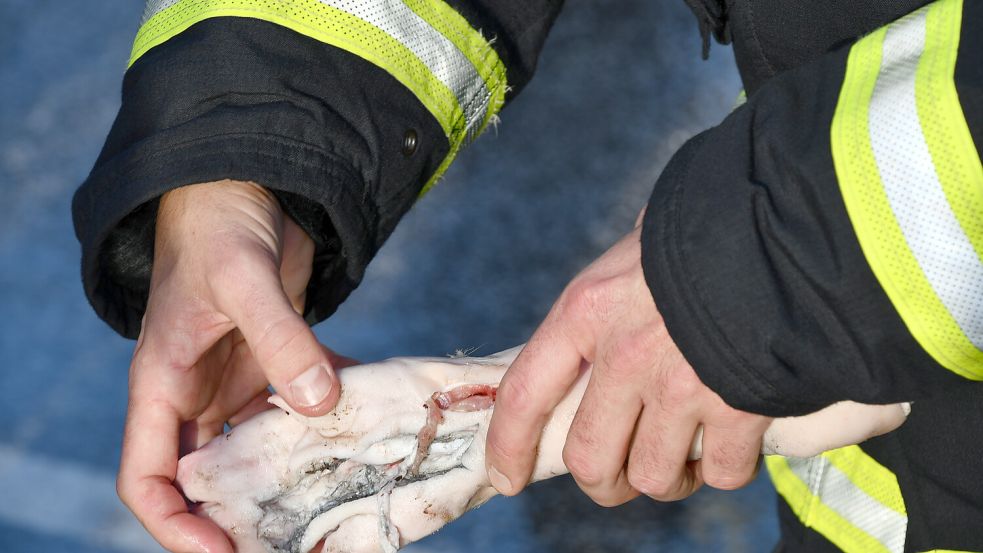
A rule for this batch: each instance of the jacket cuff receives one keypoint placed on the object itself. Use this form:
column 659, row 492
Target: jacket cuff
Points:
column 319, row 126
column 117, row 209
column 689, row 315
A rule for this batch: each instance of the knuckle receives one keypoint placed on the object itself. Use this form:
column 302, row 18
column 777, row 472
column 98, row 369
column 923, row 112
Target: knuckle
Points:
column 687, row 383
column 654, row 475
column 608, row 498
column 726, row 482
column 589, row 299
column 276, row 339
column 725, row 479
column 574, row 302
column 728, row 466
column 515, row 394
column 632, row 354
column 583, row 466
column 652, row 486
column 678, row 388
column 596, row 296
column 650, row 476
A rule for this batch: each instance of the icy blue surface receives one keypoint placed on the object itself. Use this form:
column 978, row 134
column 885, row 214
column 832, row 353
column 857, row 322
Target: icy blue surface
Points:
column 476, row 264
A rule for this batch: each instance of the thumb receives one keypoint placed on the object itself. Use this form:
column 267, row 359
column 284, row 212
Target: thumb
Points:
column 284, row 346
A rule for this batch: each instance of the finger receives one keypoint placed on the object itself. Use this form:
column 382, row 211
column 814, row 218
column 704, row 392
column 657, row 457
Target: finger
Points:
column 657, row 462
column 339, row 361
column 242, row 380
column 281, row 341
column 197, row 433
column 596, row 449
column 177, row 332
column 530, row 389
column 168, row 362
column 731, row 447
column 257, row 405
column 193, row 435
column 261, row 403
column 147, row 468
column 242, row 394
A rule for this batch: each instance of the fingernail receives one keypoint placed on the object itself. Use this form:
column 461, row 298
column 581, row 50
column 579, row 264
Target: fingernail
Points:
column 311, row 387
column 499, row 481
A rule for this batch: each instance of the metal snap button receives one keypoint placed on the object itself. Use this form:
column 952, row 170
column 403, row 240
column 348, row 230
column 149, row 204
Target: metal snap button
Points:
column 409, row 143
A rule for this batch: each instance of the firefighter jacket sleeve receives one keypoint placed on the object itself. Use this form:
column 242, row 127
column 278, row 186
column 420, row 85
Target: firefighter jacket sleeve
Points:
column 347, row 109
column 825, row 242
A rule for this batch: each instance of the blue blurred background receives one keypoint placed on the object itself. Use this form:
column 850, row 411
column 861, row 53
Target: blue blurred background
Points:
column 476, row 264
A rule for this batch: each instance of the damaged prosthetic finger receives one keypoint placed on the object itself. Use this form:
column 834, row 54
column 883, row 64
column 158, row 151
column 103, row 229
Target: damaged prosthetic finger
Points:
column 402, row 455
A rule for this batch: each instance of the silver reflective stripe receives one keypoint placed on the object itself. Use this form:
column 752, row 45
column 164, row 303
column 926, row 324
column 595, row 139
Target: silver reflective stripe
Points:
column 835, row 490
column 931, row 229
column 441, row 57
column 447, row 64
column 154, row 7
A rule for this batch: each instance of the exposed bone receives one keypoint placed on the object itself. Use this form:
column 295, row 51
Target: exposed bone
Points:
column 381, row 470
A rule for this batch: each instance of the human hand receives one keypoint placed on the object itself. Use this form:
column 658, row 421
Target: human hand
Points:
column 222, row 323
column 643, row 404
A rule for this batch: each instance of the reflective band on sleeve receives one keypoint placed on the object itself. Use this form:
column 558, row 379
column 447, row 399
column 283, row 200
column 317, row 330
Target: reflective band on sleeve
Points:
column 846, row 496
column 912, row 181
column 425, row 44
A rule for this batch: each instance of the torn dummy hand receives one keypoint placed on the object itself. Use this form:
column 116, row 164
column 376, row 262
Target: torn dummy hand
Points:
column 222, row 323
column 403, row 454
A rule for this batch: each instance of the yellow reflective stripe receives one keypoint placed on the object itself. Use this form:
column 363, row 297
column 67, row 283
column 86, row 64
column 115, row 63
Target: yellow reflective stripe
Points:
column 921, row 283
column 810, row 509
column 318, row 21
column 795, row 492
column 947, row 134
column 455, row 28
column 870, row 476
column 424, row 44
column 846, row 496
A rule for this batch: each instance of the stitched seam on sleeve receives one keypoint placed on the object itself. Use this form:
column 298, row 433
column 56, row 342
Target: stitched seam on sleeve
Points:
column 692, row 295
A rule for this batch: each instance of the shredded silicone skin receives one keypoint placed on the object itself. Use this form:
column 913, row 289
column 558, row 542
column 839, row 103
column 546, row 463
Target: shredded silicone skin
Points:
column 403, row 454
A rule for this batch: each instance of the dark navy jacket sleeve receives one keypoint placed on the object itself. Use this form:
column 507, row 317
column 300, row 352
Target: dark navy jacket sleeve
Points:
column 339, row 108
column 785, row 247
